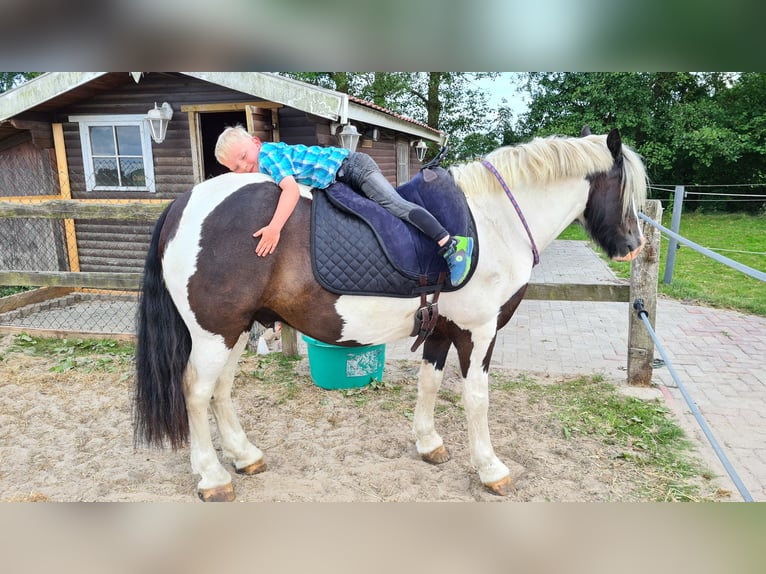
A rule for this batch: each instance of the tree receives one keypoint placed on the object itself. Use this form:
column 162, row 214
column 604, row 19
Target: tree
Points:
column 447, row 101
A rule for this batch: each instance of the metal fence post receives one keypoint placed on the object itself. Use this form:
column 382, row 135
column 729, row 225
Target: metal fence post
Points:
column 675, row 225
column 644, row 272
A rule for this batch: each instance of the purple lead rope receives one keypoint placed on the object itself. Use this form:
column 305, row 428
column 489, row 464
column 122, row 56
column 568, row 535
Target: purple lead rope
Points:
column 490, row 167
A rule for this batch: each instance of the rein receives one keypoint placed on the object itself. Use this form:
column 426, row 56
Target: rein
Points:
column 490, row 167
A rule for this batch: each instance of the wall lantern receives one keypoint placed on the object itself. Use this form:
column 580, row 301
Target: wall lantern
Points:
column 420, row 149
column 348, row 137
column 158, row 119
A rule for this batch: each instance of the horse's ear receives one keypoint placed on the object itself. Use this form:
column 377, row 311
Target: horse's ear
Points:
column 614, row 143
column 585, row 131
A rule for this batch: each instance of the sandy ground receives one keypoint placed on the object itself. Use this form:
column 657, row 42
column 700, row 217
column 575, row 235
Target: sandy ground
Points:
column 68, row 437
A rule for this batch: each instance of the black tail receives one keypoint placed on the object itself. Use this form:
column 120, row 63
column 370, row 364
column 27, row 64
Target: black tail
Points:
column 162, row 352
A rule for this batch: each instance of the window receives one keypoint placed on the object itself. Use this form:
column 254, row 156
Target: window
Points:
column 117, row 153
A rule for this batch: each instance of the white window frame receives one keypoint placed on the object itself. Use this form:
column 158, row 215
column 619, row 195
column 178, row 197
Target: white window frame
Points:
column 138, row 120
column 402, row 161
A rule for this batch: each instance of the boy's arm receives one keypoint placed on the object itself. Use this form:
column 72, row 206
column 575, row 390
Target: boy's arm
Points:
column 269, row 235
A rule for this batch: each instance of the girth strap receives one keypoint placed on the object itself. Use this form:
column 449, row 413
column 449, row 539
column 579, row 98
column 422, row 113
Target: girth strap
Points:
column 428, row 313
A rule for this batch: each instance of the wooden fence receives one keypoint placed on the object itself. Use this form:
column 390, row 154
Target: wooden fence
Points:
column 643, row 283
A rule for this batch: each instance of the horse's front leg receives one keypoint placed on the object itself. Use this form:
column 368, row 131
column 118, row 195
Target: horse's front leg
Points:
column 474, row 354
column 206, row 363
column 428, row 442
column 246, row 457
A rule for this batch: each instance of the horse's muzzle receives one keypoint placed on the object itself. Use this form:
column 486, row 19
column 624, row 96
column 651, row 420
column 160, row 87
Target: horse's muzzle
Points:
column 633, row 254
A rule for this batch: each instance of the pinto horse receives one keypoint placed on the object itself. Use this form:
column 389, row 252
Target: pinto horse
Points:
column 204, row 287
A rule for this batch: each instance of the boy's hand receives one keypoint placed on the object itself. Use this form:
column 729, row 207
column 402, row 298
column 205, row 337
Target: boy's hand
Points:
column 288, row 198
column 269, row 238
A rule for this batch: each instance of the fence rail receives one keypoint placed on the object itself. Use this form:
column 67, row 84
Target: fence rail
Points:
column 83, row 209
column 77, row 279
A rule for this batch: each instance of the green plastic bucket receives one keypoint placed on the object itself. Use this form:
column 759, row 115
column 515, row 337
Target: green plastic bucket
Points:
column 334, row 367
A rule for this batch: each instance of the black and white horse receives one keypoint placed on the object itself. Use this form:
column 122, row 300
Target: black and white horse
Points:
column 204, row 287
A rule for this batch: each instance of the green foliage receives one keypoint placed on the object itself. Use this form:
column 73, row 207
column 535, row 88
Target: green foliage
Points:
column 5, row 291
column 641, row 432
column 84, row 354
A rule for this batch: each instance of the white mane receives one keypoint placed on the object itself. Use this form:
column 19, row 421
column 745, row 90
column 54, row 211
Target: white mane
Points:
column 548, row 159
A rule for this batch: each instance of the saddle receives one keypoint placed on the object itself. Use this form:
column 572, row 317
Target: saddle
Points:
column 359, row 248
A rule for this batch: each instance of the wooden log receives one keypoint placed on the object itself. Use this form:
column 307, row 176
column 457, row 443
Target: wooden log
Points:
column 644, row 273
column 13, row 302
column 63, row 334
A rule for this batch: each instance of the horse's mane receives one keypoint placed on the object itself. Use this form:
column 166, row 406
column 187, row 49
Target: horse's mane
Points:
column 548, row 159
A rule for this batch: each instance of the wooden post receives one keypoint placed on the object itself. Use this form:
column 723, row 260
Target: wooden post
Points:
column 289, row 341
column 644, row 273
column 66, row 194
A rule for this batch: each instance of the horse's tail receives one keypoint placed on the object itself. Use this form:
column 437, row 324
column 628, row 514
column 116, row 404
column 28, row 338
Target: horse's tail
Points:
column 162, row 353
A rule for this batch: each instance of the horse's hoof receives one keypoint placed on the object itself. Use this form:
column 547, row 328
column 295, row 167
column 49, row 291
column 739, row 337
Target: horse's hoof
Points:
column 251, row 469
column 224, row 493
column 439, row 455
column 502, row 487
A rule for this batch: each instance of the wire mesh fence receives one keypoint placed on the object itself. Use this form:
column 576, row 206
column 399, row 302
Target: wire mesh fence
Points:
column 78, row 313
column 36, row 236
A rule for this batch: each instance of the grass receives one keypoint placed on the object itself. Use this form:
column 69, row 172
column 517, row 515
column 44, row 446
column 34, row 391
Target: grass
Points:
column 87, row 355
column 643, row 432
column 699, row 279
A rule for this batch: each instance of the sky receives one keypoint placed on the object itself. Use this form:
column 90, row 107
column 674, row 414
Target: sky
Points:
column 504, row 87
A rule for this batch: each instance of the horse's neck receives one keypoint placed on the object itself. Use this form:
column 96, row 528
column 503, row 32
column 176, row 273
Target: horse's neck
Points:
column 548, row 209
column 553, row 207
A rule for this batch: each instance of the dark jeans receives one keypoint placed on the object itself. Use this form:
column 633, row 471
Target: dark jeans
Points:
column 362, row 173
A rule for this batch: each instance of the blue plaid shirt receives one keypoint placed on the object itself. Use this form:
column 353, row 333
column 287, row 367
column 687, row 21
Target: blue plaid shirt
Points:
column 310, row 165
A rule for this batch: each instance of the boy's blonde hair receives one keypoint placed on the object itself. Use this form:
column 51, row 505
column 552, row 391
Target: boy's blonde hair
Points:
column 227, row 138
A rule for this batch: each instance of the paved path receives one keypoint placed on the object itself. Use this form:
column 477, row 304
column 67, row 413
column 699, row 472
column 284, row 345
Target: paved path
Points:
column 719, row 356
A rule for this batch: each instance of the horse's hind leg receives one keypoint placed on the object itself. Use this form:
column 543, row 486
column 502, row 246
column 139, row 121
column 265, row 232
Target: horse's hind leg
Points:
column 247, row 458
column 428, row 442
column 207, row 361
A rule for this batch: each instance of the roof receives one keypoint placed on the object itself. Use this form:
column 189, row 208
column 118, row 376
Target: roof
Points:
column 55, row 89
column 368, row 112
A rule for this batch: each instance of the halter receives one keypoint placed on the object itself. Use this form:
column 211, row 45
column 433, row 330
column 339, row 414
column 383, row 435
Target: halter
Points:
column 490, row 167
